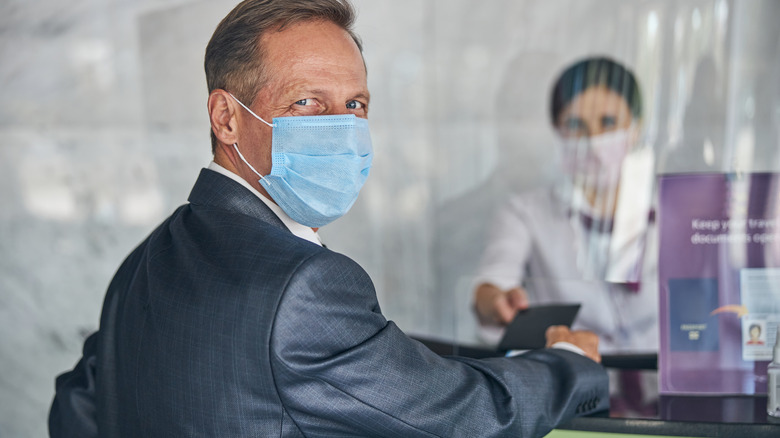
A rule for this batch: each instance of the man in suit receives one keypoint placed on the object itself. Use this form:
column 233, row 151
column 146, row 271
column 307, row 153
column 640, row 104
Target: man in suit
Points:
column 232, row 320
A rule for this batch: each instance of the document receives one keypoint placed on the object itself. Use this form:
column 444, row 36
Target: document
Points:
column 527, row 330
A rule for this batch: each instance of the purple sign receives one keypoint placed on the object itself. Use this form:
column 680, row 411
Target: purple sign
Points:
column 719, row 279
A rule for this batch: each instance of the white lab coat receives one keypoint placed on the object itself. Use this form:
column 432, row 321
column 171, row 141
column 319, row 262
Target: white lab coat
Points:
column 533, row 243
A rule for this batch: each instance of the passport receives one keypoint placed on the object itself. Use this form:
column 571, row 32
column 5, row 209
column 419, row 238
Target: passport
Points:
column 691, row 325
column 527, row 330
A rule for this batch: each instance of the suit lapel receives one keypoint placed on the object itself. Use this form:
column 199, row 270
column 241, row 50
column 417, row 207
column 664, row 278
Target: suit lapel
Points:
column 215, row 190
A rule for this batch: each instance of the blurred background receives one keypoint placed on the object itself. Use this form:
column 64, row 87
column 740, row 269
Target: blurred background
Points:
column 104, row 130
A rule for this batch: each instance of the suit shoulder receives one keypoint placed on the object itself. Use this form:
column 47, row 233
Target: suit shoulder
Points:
column 229, row 229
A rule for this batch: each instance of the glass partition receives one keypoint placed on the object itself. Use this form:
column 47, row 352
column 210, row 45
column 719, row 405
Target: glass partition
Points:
column 709, row 95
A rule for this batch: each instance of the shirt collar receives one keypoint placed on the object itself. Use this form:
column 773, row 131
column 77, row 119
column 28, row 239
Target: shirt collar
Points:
column 297, row 229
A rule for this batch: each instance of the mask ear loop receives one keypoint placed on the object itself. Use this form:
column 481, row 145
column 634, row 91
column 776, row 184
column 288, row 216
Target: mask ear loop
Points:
column 250, row 111
column 235, row 146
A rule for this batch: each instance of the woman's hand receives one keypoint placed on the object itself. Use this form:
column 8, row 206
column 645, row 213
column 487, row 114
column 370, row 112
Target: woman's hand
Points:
column 496, row 306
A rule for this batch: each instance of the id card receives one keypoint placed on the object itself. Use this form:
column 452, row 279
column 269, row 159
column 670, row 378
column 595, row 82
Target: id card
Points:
column 527, row 330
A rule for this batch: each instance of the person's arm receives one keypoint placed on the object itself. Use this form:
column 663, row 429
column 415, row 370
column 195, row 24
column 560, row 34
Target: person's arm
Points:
column 74, row 408
column 341, row 368
column 498, row 294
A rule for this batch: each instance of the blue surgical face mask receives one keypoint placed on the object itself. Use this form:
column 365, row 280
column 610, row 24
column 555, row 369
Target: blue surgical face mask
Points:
column 319, row 165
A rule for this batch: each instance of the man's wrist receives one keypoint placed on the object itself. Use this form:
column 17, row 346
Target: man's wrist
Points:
column 568, row 346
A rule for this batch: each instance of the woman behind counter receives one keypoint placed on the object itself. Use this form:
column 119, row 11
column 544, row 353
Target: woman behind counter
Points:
column 583, row 238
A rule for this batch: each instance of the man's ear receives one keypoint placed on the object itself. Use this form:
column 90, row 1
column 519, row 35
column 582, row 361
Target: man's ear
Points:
column 222, row 114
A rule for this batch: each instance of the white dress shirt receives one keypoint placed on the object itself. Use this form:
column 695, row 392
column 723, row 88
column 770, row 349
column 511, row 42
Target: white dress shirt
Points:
column 297, row 229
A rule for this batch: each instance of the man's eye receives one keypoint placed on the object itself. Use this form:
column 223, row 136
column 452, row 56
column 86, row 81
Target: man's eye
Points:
column 354, row 104
column 304, row 102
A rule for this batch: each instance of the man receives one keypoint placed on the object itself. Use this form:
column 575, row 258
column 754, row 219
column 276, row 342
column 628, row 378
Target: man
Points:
column 232, row 320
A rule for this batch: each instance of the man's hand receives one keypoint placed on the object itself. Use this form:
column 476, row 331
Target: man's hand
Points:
column 496, row 306
column 587, row 341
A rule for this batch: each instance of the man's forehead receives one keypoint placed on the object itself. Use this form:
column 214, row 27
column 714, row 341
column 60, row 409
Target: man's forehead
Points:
column 298, row 58
column 310, row 35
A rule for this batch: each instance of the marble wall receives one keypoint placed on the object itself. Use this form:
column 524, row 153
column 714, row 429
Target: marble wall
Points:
column 104, row 129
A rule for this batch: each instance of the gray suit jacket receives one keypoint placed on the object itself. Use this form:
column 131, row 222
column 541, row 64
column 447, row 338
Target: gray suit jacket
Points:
column 222, row 323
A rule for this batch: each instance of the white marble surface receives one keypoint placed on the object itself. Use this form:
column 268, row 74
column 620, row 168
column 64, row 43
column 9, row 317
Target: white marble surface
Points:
column 104, row 129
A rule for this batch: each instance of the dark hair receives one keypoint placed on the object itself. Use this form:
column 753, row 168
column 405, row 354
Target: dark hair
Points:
column 752, row 326
column 590, row 72
column 234, row 57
